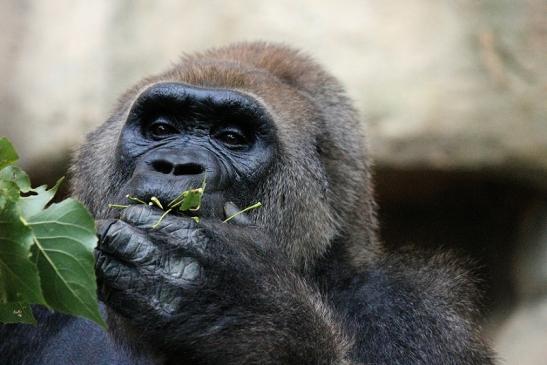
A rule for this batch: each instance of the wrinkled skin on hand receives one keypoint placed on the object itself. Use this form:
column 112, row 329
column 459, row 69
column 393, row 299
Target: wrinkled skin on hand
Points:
column 147, row 270
column 180, row 276
column 156, row 270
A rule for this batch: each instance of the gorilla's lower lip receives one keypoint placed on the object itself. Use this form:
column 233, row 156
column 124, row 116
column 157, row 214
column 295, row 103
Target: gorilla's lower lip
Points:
column 167, row 190
column 212, row 205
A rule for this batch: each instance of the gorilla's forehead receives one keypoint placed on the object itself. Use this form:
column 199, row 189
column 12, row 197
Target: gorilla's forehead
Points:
column 291, row 108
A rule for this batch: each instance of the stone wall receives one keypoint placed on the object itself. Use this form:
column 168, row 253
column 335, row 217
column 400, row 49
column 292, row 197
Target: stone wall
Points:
column 454, row 92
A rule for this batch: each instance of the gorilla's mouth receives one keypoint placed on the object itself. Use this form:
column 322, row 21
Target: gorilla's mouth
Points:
column 212, row 202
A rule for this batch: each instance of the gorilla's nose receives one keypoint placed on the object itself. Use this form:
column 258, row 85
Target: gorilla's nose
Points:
column 179, row 163
column 167, row 172
column 165, row 166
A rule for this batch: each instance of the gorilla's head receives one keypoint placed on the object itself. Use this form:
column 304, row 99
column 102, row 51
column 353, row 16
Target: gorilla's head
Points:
column 259, row 122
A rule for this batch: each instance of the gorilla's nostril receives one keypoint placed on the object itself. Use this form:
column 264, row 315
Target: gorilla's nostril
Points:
column 188, row 169
column 162, row 166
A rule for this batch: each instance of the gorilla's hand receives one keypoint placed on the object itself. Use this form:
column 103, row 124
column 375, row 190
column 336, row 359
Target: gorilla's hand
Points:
column 165, row 270
column 188, row 286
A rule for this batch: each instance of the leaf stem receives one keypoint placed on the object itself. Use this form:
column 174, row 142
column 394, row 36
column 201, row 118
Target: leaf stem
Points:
column 118, row 206
column 157, row 202
column 135, row 199
column 254, row 206
column 161, row 218
column 178, row 200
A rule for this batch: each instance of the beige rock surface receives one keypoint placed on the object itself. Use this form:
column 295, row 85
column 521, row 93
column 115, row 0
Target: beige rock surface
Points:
column 446, row 85
column 522, row 338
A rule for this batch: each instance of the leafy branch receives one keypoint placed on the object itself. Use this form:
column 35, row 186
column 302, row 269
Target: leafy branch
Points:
column 46, row 250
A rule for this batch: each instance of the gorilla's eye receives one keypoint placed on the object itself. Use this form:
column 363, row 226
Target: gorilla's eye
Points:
column 232, row 138
column 160, row 129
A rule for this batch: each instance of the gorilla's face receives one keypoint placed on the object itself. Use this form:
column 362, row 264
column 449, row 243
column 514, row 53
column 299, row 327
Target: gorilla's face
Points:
column 272, row 128
column 176, row 136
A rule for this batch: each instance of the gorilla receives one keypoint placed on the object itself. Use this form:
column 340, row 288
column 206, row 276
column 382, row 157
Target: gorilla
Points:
column 302, row 280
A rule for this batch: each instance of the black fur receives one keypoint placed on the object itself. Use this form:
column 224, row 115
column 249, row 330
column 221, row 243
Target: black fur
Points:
column 302, row 280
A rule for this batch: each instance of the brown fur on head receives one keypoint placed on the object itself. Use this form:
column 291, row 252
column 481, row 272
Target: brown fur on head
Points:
column 319, row 190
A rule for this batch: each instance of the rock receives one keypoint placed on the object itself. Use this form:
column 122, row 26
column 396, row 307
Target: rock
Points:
column 522, row 339
column 445, row 85
column 530, row 261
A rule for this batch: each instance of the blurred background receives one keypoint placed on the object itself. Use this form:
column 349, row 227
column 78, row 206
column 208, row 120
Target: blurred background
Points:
column 454, row 93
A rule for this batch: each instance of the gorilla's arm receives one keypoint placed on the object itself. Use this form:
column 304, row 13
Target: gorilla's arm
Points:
column 211, row 293
column 412, row 309
column 220, row 296
column 61, row 339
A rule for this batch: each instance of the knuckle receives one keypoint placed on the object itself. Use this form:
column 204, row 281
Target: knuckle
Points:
column 135, row 213
column 116, row 231
column 103, row 226
column 102, row 264
column 189, row 239
column 142, row 216
column 184, row 270
column 171, row 224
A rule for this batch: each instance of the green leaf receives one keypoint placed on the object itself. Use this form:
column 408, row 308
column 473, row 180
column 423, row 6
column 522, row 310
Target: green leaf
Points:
column 33, row 204
column 7, row 153
column 17, row 176
column 19, row 281
column 64, row 237
column 9, row 193
column 46, row 256
column 189, row 199
column 16, row 313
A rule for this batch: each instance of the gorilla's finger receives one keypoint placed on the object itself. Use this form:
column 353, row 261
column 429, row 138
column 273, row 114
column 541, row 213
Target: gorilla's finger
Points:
column 150, row 218
column 141, row 216
column 230, row 209
column 115, row 274
column 128, row 244
column 183, row 269
column 103, row 225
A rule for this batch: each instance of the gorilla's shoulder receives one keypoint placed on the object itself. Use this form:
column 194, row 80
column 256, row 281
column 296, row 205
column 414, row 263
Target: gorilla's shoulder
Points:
column 420, row 280
column 408, row 300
